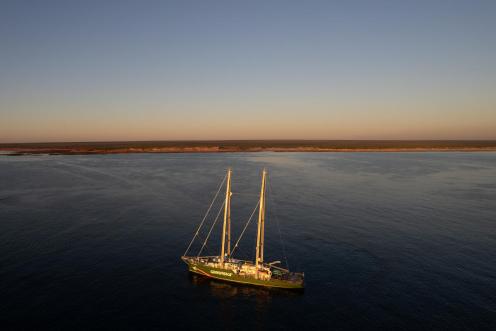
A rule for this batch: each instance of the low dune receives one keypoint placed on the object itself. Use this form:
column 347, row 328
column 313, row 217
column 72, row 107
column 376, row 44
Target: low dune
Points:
column 79, row 148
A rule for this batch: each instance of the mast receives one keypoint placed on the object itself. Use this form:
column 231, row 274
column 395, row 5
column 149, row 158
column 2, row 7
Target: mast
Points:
column 261, row 223
column 228, row 253
column 227, row 220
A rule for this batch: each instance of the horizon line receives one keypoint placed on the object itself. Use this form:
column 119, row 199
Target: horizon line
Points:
column 243, row 140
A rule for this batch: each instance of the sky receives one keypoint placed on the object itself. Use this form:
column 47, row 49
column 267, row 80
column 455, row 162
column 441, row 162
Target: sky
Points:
column 202, row 70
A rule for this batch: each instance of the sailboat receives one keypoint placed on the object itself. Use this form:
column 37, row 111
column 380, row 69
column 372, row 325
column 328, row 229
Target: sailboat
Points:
column 227, row 268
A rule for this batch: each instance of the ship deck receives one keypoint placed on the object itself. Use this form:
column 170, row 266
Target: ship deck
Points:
column 243, row 271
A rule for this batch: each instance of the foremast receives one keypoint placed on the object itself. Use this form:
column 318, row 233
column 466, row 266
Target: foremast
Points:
column 261, row 224
column 226, row 227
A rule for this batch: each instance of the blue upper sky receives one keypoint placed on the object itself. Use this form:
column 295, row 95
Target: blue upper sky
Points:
column 141, row 70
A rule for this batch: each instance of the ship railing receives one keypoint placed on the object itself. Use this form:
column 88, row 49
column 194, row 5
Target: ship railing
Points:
column 286, row 274
column 279, row 268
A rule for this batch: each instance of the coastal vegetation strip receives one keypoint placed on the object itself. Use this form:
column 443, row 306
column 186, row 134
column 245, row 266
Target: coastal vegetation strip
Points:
column 62, row 148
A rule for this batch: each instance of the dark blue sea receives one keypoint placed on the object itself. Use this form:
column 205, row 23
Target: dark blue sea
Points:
column 387, row 241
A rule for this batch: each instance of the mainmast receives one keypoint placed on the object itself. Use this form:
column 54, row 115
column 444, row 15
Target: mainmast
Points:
column 261, row 223
column 227, row 221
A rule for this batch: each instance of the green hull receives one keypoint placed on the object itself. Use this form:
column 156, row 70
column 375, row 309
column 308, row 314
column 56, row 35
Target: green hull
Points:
column 230, row 276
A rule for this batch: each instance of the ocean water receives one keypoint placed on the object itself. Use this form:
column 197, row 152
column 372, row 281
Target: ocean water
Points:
column 403, row 241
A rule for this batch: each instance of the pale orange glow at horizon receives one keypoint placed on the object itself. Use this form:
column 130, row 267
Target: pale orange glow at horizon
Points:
column 278, row 120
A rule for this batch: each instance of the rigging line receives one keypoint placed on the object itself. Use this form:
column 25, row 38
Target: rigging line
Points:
column 205, row 217
column 278, row 227
column 201, row 239
column 211, row 228
column 244, row 229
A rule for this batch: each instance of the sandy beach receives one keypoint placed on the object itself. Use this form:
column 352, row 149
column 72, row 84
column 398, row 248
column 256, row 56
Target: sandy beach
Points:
column 78, row 148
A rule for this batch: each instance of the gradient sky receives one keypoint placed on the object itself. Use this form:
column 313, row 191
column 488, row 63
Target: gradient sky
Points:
column 147, row 70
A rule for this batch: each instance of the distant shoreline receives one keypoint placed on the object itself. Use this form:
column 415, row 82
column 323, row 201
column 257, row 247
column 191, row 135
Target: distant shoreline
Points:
column 233, row 146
